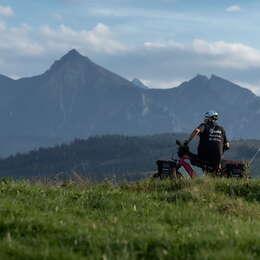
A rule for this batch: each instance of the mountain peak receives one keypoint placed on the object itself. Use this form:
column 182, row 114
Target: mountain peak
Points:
column 215, row 77
column 72, row 57
column 138, row 83
column 201, row 77
column 72, row 53
column 225, row 85
column 199, row 81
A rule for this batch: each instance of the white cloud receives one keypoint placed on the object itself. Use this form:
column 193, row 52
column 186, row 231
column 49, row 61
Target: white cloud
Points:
column 160, row 84
column 6, row 11
column 168, row 44
column 166, row 84
column 159, row 64
column 233, row 9
column 17, row 41
column 24, row 40
column 146, row 82
column 2, row 26
column 218, row 54
column 254, row 87
column 38, row 47
column 229, row 55
column 99, row 39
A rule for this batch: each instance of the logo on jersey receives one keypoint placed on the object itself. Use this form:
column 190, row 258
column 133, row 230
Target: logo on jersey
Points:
column 215, row 135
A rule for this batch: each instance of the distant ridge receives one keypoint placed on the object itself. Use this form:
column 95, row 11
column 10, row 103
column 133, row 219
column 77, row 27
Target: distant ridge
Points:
column 76, row 98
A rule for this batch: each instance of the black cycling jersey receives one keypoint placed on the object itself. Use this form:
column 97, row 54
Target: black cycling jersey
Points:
column 212, row 140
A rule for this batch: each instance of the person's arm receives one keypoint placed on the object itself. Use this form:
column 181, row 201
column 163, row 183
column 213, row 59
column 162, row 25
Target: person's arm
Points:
column 195, row 133
column 226, row 142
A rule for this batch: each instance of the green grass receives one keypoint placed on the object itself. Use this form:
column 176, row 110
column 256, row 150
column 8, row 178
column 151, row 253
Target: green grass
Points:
column 201, row 219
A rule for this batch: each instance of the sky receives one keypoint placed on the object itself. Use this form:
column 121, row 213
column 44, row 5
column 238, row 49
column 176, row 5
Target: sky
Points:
column 161, row 42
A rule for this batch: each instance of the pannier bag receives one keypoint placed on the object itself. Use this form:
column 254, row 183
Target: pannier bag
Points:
column 235, row 168
column 167, row 169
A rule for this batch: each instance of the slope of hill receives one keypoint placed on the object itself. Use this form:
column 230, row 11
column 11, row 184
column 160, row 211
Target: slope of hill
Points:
column 203, row 219
column 110, row 157
column 77, row 98
column 138, row 83
column 98, row 158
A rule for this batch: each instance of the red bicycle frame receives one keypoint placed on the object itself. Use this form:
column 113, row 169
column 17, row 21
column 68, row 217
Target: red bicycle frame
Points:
column 187, row 167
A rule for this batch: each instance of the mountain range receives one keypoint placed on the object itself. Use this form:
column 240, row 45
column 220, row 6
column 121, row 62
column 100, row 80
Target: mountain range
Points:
column 77, row 98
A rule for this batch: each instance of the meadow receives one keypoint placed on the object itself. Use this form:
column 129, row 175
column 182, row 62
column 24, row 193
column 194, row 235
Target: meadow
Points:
column 204, row 218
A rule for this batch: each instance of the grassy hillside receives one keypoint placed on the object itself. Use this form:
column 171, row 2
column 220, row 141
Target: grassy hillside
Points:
column 201, row 219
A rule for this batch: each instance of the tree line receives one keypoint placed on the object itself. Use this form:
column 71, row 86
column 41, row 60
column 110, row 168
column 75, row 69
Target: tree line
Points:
column 109, row 156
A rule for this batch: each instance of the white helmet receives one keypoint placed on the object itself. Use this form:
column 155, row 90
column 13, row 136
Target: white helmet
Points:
column 211, row 115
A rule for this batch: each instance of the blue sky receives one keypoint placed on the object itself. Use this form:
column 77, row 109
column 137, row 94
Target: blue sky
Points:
column 162, row 42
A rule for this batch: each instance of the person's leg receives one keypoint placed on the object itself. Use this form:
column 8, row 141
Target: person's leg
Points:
column 203, row 161
column 216, row 163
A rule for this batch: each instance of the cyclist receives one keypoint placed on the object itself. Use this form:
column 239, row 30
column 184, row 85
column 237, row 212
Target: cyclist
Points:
column 213, row 141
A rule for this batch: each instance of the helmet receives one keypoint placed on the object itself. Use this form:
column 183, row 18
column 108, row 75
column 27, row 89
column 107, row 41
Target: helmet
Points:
column 211, row 115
